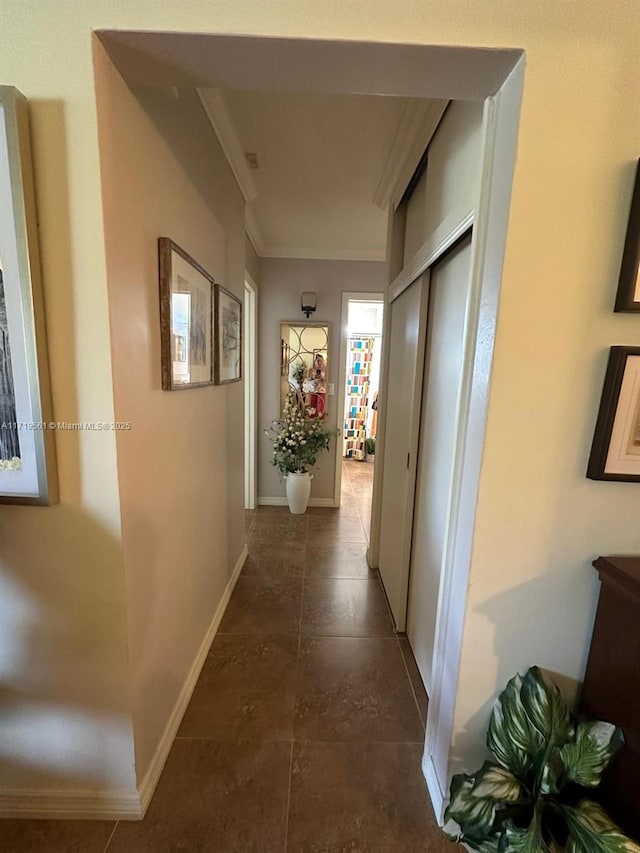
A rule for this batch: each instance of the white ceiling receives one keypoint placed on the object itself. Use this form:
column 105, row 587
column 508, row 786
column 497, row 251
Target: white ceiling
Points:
column 321, row 161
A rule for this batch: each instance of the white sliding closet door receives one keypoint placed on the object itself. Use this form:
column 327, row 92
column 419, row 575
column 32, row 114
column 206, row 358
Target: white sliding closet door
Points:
column 449, row 293
column 406, row 359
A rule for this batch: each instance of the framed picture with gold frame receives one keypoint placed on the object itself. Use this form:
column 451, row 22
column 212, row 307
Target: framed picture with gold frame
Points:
column 186, row 319
column 28, row 473
column 227, row 337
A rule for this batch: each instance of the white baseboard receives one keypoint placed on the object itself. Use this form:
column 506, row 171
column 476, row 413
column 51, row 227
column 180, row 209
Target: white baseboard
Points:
column 283, row 502
column 123, row 805
column 70, row 805
column 158, row 761
column 438, row 799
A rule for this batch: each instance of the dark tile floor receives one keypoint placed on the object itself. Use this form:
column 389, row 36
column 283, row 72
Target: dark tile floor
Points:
column 305, row 730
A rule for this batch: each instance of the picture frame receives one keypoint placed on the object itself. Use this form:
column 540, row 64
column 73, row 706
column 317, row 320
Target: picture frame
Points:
column 28, row 473
column 186, row 319
column 615, row 452
column 227, row 337
column 628, row 295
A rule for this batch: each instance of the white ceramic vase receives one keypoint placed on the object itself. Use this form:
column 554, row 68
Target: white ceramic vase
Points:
column 298, row 488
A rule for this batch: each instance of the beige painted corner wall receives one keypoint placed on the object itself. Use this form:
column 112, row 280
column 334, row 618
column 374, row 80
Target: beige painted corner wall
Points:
column 66, row 719
column 175, row 466
column 282, row 281
column 540, row 522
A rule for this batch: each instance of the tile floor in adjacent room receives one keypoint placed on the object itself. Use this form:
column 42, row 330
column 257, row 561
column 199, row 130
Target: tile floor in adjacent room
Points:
column 306, row 728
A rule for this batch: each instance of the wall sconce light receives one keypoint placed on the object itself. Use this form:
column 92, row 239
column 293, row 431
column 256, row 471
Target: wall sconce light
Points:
column 308, row 302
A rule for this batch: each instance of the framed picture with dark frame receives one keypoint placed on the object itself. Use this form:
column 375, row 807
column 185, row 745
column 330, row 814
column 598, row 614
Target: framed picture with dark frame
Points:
column 615, row 452
column 227, row 337
column 628, row 295
column 186, row 319
column 28, row 473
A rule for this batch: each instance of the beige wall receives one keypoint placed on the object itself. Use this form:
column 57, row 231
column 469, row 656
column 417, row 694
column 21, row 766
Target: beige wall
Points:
column 282, row 281
column 179, row 514
column 539, row 521
column 66, row 720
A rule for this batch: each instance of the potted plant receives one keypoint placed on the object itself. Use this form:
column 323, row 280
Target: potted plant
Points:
column 297, row 442
column 533, row 798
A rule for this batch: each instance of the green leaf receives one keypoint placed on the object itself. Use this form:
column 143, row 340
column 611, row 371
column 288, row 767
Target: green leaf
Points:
column 546, row 710
column 496, row 783
column 475, row 816
column 487, row 845
column 509, row 737
column 551, row 772
column 591, row 830
column 529, row 840
column 586, row 758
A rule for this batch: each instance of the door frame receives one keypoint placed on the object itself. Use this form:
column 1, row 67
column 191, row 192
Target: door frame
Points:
column 347, row 297
column 250, row 392
column 489, row 219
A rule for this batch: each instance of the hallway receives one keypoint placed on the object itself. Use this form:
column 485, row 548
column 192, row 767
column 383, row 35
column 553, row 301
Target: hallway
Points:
column 306, row 728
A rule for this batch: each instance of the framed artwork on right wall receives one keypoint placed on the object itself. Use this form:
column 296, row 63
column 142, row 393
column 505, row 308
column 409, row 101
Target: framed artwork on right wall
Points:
column 628, row 295
column 615, row 452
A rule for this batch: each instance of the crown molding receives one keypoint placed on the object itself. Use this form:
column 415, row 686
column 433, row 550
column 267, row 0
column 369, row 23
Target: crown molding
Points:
column 253, row 231
column 416, row 129
column 303, row 253
column 220, row 120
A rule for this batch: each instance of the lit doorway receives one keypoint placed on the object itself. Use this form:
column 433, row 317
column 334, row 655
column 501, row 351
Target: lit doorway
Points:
column 360, row 361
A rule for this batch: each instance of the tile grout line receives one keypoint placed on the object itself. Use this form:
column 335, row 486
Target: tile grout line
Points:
column 113, row 832
column 286, row 820
column 295, row 693
column 316, row 636
column 397, row 638
column 219, row 739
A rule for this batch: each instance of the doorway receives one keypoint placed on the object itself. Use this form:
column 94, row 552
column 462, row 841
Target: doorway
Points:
column 359, row 381
column 250, row 393
column 396, row 69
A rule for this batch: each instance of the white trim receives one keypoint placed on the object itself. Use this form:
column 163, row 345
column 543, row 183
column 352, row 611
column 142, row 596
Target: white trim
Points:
column 326, row 502
column 490, row 230
column 220, row 120
column 395, row 248
column 437, row 243
column 313, row 253
column 69, row 805
column 416, row 128
column 152, row 776
column 438, row 798
column 347, row 297
column 252, row 229
column 250, row 374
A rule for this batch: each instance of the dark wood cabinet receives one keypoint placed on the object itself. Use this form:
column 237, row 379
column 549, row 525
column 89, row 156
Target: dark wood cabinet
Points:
column 612, row 683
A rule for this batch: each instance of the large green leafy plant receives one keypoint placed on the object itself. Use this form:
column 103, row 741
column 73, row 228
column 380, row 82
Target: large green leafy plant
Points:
column 532, row 798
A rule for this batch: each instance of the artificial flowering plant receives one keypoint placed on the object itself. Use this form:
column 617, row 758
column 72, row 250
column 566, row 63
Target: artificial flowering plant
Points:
column 533, row 797
column 296, row 440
